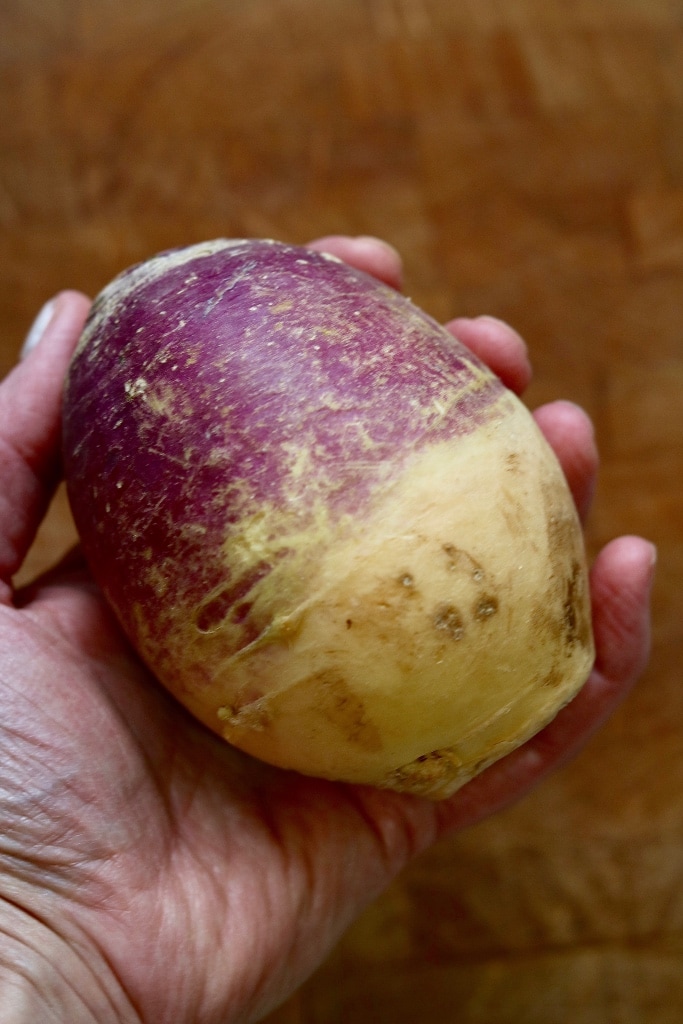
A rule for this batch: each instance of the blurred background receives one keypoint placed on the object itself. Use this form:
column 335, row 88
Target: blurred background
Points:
column 526, row 158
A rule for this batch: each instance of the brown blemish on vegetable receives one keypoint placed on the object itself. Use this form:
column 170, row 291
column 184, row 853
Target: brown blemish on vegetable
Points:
column 486, row 607
column 564, row 616
column 252, row 715
column 447, row 619
column 513, row 512
column 460, row 560
column 577, row 626
column 388, row 615
column 544, row 621
column 426, row 774
column 574, row 607
column 338, row 704
column 569, row 609
column 554, row 678
column 406, row 581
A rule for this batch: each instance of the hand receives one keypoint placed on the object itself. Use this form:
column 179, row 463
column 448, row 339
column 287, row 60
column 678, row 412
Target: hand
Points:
column 148, row 872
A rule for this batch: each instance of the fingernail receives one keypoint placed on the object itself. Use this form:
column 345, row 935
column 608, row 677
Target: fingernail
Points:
column 649, row 567
column 374, row 240
column 38, row 328
column 488, row 318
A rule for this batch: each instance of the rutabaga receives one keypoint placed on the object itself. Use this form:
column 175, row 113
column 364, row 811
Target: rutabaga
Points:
column 326, row 527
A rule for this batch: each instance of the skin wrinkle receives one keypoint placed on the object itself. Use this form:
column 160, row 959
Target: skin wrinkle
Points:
column 163, row 904
column 402, row 825
column 234, row 912
column 35, row 810
column 302, row 879
column 334, row 903
column 300, row 817
column 32, row 496
column 53, row 930
column 175, row 913
column 37, row 466
column 37, row 455
column 239, row 907
column 43, row 840
column 89, row 849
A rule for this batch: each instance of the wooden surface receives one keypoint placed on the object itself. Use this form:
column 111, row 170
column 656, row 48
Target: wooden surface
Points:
column 527, row 159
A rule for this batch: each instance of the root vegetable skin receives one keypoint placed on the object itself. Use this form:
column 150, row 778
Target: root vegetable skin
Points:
column 327, row 528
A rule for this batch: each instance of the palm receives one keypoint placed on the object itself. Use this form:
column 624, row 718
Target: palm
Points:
column 174, row 840
column 210, row 884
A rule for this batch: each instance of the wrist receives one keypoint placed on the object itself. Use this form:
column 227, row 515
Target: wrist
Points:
column 48, row 978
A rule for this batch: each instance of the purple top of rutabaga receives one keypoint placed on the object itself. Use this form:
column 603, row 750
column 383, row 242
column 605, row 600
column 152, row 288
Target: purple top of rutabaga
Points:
column 244, row 374
column 270, row 351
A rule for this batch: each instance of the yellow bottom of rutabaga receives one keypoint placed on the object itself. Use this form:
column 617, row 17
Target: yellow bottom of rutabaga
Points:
column 445, row 628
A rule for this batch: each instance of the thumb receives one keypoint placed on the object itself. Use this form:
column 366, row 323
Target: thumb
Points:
column 30, row 418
